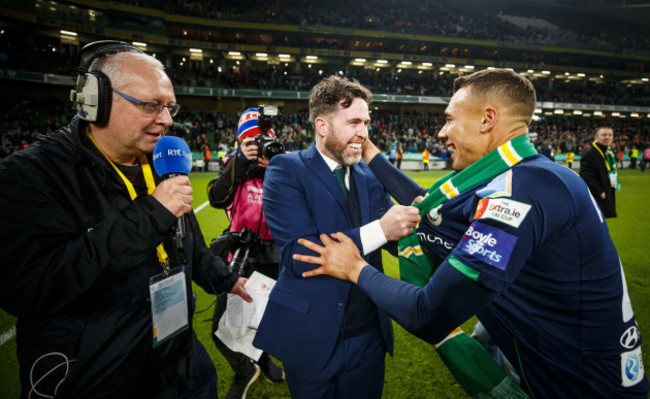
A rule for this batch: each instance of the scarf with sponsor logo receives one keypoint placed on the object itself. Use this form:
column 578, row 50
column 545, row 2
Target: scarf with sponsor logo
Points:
column 472, row 366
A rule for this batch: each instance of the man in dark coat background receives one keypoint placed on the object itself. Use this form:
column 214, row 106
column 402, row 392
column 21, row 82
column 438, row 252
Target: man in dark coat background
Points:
column 598, row 169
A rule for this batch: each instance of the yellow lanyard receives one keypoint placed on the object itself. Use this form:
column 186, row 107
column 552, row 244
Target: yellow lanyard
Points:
column 609, row 169
column 163, row 258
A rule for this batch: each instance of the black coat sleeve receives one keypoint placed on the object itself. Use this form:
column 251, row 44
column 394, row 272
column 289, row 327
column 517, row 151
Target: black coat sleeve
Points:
column 592, row 173
column 208, row 271
column 221, row 189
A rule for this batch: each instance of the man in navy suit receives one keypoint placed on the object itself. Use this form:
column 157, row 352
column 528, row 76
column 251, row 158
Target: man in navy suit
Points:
column 330, row 336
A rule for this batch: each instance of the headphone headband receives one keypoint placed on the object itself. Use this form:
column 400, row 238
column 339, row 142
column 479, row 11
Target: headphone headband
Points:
column 94, row 50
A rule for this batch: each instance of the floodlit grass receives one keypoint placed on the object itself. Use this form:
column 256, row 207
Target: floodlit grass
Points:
column 416, row 370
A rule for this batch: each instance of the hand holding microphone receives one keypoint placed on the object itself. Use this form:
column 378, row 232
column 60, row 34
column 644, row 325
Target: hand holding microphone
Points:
column 175, row 193
column 172, row 160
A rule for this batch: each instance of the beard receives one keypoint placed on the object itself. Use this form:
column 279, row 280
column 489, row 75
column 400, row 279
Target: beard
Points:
column 338, row 149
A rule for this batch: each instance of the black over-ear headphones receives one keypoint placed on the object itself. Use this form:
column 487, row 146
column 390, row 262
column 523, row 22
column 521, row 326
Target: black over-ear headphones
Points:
column 93, row 94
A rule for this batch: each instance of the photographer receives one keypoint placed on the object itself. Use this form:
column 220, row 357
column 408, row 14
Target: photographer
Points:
column 238, row 190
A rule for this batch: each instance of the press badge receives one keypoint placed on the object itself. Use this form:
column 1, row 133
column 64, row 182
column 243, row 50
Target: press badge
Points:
column 613, row 180
column 168, row 304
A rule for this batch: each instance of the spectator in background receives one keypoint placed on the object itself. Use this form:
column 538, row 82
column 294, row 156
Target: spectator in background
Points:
column 569, row 159
column 444, row 154
column 392, row 152
column 634, row 155
column 222, row 151
column 639, row 157
column 620, row 148
column 82, row 253
column 646, row 157
column 289, row 144
column 569, row 149
column 425, row 158
column 598, row 169
column 547, row 150
column 207, row 157
column 400, row 155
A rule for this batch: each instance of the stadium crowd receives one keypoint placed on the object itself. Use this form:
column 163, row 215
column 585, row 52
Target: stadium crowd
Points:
column 415, row 132
column 23, row 120
column 403, row 83
column 448, row 18
column 31, row 51
column 46, row 55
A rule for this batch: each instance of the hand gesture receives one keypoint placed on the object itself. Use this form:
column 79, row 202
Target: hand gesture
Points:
column 262, row 162
column 368, row 151
column 340, row 259
column 249, row 149
column 238, row 289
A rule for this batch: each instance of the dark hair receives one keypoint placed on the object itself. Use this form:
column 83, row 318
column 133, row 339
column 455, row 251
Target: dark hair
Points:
column 326, row 96
column 504, row 86
column 601, row 127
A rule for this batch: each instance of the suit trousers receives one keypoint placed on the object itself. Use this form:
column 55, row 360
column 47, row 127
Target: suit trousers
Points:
column 355, row 371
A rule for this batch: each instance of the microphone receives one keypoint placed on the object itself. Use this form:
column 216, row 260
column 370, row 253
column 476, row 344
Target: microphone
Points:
column 172, row 157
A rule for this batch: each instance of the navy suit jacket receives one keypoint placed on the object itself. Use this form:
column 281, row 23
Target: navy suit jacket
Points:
column 301, row 322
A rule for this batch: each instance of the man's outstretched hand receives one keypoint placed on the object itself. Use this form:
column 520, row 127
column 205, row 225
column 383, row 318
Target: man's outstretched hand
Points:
column 340, row 259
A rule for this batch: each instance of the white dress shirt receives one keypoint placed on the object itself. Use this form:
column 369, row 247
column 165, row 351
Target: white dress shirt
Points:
column 372, row 235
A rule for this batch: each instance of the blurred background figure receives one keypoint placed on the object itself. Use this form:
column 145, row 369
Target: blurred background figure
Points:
column 598, row 169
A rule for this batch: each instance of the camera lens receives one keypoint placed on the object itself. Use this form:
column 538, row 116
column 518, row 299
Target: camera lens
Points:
column 239, row 260
column 268, row 146
column 272, row 149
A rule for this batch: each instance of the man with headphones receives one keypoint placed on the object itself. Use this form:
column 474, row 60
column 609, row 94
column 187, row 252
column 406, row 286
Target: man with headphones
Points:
column 102, row 294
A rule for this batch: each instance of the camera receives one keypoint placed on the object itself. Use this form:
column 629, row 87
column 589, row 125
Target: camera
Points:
column 267, row 144
column 244, row 246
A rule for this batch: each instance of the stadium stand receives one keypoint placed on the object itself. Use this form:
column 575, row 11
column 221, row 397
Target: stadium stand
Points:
column 224, row 56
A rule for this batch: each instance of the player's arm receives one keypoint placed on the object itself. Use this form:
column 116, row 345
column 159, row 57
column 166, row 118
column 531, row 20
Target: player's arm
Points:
column 397, row 183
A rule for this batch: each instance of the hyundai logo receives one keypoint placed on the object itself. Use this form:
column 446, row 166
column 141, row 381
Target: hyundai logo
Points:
column 630, row 338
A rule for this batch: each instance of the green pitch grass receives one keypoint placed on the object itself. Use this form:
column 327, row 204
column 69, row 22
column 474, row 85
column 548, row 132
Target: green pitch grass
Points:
column 416, row 370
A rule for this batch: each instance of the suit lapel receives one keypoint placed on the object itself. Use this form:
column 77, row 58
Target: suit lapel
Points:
column 315, row 162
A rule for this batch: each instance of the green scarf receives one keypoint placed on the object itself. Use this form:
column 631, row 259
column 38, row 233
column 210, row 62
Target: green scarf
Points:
column 472, row 366
column 416, row 266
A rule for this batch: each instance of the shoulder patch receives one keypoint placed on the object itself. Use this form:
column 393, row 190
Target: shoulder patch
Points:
column 503, row 210
column 500, row 186
column 488, row 244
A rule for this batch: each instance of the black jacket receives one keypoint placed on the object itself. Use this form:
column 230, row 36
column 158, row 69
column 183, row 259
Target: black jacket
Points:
column 76, row 258
column 594, row 172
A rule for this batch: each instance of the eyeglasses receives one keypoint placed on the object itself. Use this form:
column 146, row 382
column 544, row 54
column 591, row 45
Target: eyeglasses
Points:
column 151, row 107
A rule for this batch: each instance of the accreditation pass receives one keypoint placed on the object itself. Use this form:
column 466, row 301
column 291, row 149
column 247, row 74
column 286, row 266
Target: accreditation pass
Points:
column 168, row 305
